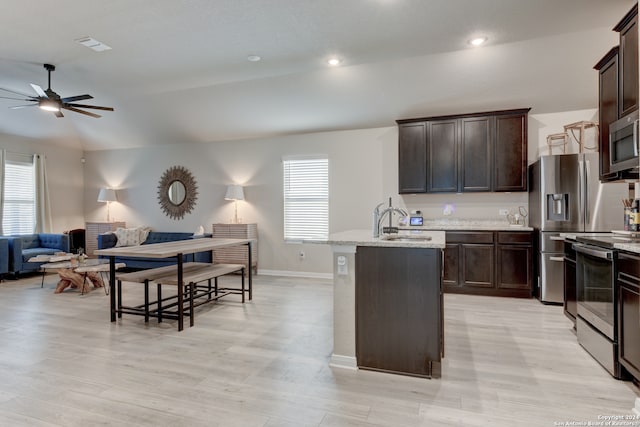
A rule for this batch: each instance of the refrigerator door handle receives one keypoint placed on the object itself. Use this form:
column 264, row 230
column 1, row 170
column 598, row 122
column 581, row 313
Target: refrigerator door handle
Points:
column 585, row 191
column 582, row 205
column 556, row 258
column 635, row 137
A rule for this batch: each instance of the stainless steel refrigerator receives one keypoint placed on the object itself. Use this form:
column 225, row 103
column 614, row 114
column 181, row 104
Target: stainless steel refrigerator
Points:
column 565, row 195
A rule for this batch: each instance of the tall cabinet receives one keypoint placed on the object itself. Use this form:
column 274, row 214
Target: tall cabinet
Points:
column 236, row 254
column 95, row 228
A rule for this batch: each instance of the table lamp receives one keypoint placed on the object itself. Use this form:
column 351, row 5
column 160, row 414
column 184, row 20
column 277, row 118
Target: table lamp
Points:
column 235, row 192
column 107, row 195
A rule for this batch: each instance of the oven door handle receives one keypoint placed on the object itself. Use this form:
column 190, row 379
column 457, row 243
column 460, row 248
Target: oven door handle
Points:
column 588, row 250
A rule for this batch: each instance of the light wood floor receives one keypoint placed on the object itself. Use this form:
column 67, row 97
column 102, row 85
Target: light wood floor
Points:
column 265, row 363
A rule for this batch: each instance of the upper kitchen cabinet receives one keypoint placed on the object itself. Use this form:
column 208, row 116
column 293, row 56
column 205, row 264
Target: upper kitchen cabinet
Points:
column 412, row 158
column 617, row 90
column 628, row 62
column 607, row 108
column 464, row 153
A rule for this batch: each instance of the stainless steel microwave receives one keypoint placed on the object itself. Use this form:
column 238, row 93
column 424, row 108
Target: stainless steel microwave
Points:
column 623, row 143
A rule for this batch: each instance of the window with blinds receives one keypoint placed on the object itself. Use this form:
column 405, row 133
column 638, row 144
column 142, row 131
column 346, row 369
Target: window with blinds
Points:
column 18, row 215
column 306, row 198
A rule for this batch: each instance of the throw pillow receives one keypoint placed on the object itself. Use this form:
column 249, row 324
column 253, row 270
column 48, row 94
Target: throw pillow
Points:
column 144, row 233
column 128, row 237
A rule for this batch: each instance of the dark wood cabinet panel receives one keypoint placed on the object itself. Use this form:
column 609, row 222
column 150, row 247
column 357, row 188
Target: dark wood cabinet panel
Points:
column 475, row 152
column 489, row 263
column 570, row 289
column 412, row 157
column 442, row 156
column 451, row 268
column 607, row 107
column 510, row 153
column 514, row 265
column 464, row 153
column 477, row 266
column 398, row 310
column 628, row 288
column 628, row 62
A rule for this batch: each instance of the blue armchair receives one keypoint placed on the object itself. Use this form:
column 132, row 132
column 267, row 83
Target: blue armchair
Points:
column 22, row 248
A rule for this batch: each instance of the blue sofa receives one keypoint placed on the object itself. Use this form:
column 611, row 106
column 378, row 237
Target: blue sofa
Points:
column 23, row 247
column 108, row 240
column 4, row 256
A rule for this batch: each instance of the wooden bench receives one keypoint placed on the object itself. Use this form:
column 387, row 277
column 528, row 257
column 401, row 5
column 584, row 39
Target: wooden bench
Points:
column 192, row 274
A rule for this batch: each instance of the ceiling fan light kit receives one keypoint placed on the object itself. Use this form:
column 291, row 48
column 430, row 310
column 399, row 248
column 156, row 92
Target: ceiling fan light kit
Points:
column 50, row 101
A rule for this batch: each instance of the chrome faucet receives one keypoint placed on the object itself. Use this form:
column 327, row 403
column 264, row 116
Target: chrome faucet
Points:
column 378, row 217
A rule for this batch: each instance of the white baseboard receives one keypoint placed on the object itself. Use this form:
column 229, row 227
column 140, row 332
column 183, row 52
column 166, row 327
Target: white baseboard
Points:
column 287, row 273
column 344, row 362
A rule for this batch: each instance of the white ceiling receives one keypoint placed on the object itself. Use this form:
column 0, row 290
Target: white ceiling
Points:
column 178, row 71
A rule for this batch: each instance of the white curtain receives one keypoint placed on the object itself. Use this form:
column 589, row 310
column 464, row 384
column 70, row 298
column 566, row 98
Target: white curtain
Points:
column 3, row 156
column 43, row 207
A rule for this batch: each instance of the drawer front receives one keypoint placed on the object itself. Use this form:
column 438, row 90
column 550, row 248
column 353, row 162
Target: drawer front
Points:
column 518, row 237
column 629, row 266
column 469, row 236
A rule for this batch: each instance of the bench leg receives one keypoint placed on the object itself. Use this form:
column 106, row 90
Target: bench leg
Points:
column 242, row 272
column 215, row 289
column 159, row 303
column 209, row 289
column 119, row 292
column 191, row 313
column 146, row 301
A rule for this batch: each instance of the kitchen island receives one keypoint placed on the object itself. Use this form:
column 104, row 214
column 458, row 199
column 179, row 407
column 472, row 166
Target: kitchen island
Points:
column 388, row 302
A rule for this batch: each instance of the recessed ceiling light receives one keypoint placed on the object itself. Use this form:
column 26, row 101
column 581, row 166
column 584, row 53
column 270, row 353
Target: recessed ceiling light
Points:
column 478, row 41
column 334, row 62
column 253, row 58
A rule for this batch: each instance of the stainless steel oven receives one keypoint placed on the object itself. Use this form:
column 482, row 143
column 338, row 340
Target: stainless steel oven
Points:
column 596, row 323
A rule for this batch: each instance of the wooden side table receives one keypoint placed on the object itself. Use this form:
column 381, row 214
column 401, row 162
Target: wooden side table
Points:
column 236, row 254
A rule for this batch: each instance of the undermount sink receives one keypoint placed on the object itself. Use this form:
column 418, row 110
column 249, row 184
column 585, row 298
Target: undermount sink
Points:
column 406, row 237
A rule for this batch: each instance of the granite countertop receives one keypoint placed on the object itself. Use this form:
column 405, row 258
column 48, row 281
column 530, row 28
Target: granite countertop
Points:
column 629, row 247
column 472, row 224
column 364, row 238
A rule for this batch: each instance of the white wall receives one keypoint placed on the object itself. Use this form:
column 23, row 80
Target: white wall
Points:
column 66, row 178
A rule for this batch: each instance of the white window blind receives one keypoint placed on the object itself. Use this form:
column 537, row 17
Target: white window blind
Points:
column 306, row 199
column 18, row 216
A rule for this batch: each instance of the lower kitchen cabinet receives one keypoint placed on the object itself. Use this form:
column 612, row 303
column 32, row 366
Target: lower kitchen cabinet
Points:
column 628, row 284
column 570, row 289
column 489, row 263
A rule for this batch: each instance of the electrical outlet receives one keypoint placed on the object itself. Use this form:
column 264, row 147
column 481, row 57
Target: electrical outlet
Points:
column 503, row 212
column 301, row 254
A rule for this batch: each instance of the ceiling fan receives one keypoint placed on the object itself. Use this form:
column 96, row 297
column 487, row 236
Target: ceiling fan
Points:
column 50, row 101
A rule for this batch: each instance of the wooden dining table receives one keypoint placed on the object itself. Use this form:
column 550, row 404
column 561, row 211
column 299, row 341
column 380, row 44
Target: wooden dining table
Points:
column 176, row 249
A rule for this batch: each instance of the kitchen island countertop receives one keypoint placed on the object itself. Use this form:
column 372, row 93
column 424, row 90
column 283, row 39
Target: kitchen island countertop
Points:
column 365, row 238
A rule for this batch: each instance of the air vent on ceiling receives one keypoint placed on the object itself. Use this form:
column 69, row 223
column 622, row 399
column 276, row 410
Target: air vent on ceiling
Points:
column 94, row 44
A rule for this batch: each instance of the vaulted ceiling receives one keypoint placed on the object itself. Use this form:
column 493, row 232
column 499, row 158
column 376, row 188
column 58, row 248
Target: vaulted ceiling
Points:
column 178, row 69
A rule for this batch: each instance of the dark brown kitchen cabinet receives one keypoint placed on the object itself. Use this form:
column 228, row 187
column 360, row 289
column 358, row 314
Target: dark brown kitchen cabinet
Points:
column 617, row 89
column 607, row 108
column 475, row 154
column 628, row 288
column 442, row 157
column 399, row 322
column 510, row 172
column 464, row 153
column 628, row 62
column 489, row 263
column 570, row 289
column 412, row 155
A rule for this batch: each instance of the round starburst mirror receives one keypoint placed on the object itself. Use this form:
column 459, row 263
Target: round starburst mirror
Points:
column 177, row 192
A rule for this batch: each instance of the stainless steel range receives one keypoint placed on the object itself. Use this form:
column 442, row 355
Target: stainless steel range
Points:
column 597, row 322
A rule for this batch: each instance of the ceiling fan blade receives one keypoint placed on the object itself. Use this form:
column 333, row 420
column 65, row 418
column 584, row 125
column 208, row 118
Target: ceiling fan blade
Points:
column 67, row 107
column 76, row 98
column 39, row 91
column 95, row 107
column 58, row 114
column 16, row 93
column 19, row 99
column 17, row 107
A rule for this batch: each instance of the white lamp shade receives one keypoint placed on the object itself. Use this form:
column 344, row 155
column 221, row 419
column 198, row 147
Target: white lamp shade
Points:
column 234, row 192
column 107, row 195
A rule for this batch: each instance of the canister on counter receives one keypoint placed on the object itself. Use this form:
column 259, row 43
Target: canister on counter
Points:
column 634, row 217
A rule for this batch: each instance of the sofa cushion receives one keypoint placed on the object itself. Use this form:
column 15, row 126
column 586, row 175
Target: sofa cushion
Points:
column 30, row 241
column 131, row 236
column 27, row 254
